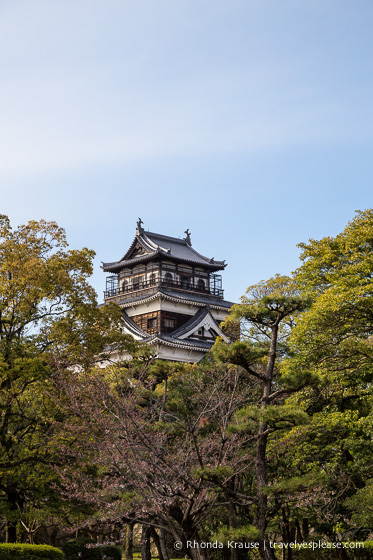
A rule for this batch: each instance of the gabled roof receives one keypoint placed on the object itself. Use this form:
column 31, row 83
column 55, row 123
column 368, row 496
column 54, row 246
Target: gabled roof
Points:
column 181, row 337
column 148, row 245
column 132, row 328
column 202, row 318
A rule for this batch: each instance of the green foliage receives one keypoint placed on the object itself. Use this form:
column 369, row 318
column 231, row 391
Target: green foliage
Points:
column 266, row 304
column 27, row 551
column 110, row 552
column 361, row 505
column 246, row 354
column 10, row 556
column 335, row 334
column 331, row 347
column 218, row 475
column 49, row 321
column 77, row 548
column 291, row 485
column 277, row 417
column 245, row 533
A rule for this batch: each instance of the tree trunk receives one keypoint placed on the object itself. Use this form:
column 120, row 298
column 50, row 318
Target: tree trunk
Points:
column 53, row 536
column 342, row 554
column 266, row 553
column 191, row 534
column 145, row 543
column 305, row 527
column 299, row 536
column 157, row 543
column 11, row 532
column 162, row 542
column 128, row 547
column 15, row 503
column 287, row 532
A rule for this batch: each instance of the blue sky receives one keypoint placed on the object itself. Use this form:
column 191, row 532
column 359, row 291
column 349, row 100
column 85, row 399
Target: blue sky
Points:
column 248, row 122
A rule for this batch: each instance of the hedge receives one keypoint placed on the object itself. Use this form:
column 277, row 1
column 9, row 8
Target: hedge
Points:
column 73, row 547
column 30, row 552
column 77, row 548
column 111, row 552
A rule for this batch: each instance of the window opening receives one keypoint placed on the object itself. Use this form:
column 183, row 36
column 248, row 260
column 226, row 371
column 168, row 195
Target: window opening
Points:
column 185, row 282
column 152, row 323
column 168, row 278
column 201, row 285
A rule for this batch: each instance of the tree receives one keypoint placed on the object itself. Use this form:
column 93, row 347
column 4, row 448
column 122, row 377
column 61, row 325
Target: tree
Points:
column 337, row 273
column 332, row 344
column 267, row 314
column 48, row 310
column 163, row 455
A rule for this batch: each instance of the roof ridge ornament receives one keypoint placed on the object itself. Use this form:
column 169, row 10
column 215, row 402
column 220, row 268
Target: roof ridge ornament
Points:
column 139, row 228
column 187, row 237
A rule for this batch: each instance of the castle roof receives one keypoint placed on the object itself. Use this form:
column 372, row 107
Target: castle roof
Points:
column 181, row 336
column 177, row 297
column 148, row 246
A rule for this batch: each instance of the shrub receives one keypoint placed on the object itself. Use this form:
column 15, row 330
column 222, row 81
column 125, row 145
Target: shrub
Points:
column 30, row 552
column 73, row 547
column 111, row 552
column 5, row 556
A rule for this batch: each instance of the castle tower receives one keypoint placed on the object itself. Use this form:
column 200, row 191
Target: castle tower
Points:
column 170, row 294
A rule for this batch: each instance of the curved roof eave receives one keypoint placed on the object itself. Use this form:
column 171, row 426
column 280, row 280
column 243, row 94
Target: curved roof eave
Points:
column 175, row 298
column 178, row 250
column 161, row 339
column 117, row 266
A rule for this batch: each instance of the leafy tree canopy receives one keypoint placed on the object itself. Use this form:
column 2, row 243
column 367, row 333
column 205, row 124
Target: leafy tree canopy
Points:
column 48, row 317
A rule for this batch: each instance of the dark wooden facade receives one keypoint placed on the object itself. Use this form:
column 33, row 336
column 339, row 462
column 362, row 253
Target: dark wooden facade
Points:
column 160, row 321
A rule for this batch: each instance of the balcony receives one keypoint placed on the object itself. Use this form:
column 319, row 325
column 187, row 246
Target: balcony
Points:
column 143, row 287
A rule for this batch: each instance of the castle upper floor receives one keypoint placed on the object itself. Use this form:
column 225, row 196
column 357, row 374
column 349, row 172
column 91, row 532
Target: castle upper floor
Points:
column 156, row 261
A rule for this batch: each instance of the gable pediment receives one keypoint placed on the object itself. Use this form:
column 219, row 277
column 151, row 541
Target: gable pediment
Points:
column 206, row 327
column 137, row 250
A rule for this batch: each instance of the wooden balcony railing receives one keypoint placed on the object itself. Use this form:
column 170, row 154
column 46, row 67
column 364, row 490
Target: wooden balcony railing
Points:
column 146, row 287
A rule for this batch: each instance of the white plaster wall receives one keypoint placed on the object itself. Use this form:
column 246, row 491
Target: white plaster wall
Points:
column 179, row 354
column 166, row 305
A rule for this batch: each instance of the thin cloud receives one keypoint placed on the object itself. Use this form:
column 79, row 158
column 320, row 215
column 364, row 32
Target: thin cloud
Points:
column 85, row 83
